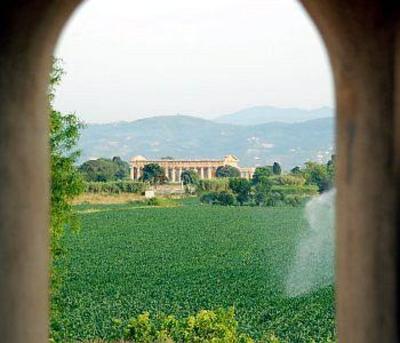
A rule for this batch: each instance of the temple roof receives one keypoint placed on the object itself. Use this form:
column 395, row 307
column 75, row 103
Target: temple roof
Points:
column 231, row 157
column 138, row 158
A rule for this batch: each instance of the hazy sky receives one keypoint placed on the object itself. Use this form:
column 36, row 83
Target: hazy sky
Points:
column 128, row 59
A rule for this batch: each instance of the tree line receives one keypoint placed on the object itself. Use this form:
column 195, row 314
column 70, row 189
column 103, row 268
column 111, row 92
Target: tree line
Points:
column 270, row 186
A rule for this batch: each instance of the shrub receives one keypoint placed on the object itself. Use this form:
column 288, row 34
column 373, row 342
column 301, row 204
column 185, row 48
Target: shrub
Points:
column 209, row 197
column 295, row 200
column 241, row 188
column 227, row 171
column 291, row 180
column 290, row 195
column 153, row 202
column 116, row 187
column 205, row 326
column 289, row 189
column 275, row 199
column 262, row 190
column 213, row 185
column 223, row 198
column 261, row 172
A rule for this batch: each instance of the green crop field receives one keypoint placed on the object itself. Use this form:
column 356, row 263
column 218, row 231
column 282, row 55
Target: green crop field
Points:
column 178, row 260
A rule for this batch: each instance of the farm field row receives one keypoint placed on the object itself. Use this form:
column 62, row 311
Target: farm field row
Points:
column 179, row 260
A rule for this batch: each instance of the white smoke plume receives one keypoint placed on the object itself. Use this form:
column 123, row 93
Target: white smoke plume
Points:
column 313, row 267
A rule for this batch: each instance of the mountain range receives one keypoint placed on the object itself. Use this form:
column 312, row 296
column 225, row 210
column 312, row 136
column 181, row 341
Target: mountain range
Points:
column 290, row 143
column 266, row 114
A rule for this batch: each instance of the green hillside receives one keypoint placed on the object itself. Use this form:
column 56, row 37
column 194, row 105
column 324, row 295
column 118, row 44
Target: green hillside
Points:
column 190, row 137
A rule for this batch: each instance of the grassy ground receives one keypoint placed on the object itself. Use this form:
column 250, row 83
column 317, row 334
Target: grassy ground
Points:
column 101, row 199
column 128, row 259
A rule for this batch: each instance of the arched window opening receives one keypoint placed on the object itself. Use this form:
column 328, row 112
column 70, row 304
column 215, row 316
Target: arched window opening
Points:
column 223, row 207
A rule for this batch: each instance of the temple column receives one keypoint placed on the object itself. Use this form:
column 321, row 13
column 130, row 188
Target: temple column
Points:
column 173, row 170
column 166, row 173
column 202, row 173
column 131, row 173
column 138, row 173
column 180, row 175
column 209, row 176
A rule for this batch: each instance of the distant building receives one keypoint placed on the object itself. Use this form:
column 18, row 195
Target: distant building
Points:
column 174, row 168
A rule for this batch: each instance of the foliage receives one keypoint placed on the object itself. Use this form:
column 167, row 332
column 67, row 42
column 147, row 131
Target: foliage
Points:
column 213, row 185
column 190, row 180
column 66, row 182
column 154, row 173
column 265, row 189
column 331, row 170
column 153, row 202
column 116, row 187
column 261, row 172
column 317, row 174
column 295, row 180
column 227, row 171
column 103, row 169
column 179, row 260
column 224, row 198
column 276, row 169
column 294, row 189
column 241, row 188
column 296, row 170
column 322, row 175
column 123, row 168
column 205, row 326
column 189, row 177
column 290, row 195
column 262, row 190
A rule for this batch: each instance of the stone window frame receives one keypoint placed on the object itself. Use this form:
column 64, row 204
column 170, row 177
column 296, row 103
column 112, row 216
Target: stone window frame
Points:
column 362, row 40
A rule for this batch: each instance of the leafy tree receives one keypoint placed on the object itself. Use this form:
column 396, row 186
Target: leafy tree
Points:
column 154, row 173
column 263, row 190
column 276, row 168
column 296, row 170
column 123, row 168
column 331, row 170
column 227, row 171
column 224, row 198
column 66, row 181
column 288, row 179
column 317, row 174
column 189, row 179
column 104, row 169
column 241, row 188
column 261, row 172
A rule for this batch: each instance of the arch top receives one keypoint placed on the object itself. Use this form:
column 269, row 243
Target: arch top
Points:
column 354, row 24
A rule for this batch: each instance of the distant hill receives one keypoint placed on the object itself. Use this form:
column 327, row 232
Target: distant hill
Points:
column 190, row 137
column 267, row 114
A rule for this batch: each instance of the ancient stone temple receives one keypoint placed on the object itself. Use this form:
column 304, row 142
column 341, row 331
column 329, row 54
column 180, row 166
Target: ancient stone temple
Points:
column 173, row 168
